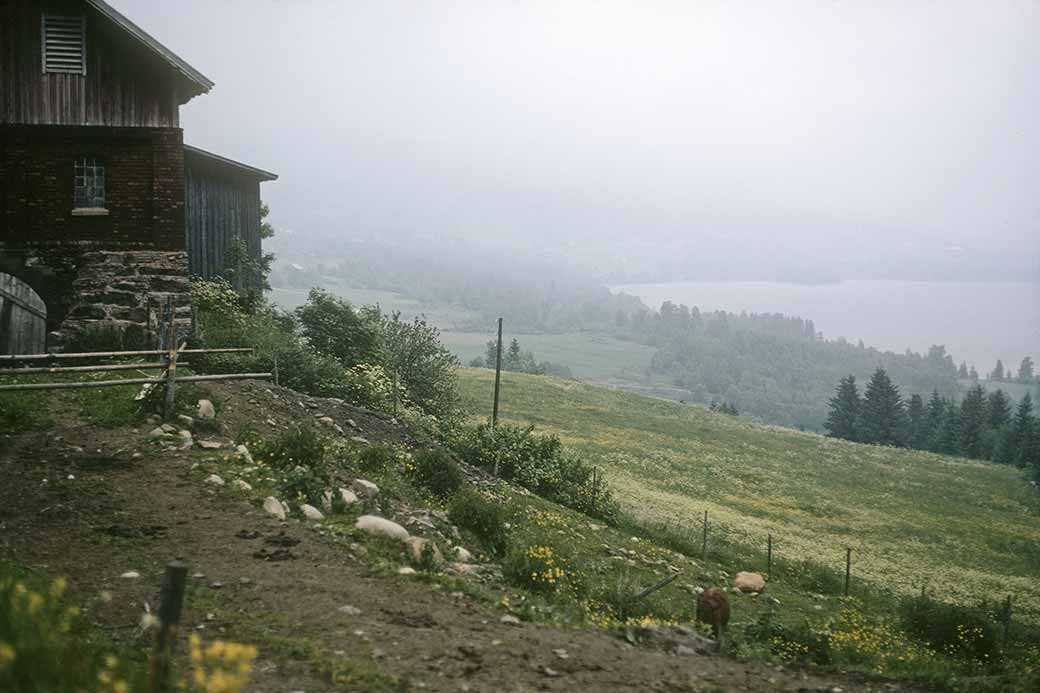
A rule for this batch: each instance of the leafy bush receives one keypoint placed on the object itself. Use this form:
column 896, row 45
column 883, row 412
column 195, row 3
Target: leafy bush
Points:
column 107, row 336
column 538, row 463
column 334, row 328
column 376, row 459
column 957, row 631
column 537, row 568
column 435, row 471
column 371, row 387
column 302, row 457
column 482, row 517
column 425, row 367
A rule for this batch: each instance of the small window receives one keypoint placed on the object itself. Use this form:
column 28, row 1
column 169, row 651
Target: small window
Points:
column 64, row 44
column 90, row 183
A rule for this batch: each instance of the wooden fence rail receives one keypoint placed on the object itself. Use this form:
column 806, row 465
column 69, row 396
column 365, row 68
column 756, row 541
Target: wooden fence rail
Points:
column 116, row 354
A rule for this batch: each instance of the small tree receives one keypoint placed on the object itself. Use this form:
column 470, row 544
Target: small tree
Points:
column 334, row 328
column 1025, row 370
column 998, row 371
column 999, row 409
column 843, row 420
column 426, row 367
column 883, row 417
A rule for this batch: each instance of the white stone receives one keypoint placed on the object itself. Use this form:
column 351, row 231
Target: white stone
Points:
column 349, row 610
column 215, row 480
column 360, row 441
column 462, row 555
column 348, row 496
column 156, row 432
column 749, row 582
column 206, row 410
column 405, row 570
column 382, row 526
column 210, row 444
column 509, row 620
column 130, row 575
column 168, row 428
column 185, row 421
column 310, row 512
column 242, row 485
column 242, row 452
column 364, row 488
column 273, row 507
column 417, row 547
column 327, row 421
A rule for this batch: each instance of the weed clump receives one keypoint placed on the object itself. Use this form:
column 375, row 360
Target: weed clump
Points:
column 376, row 459
column 435, row 471
column 481, row 517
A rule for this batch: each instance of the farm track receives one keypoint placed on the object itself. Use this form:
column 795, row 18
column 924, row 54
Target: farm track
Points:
column 116, row 514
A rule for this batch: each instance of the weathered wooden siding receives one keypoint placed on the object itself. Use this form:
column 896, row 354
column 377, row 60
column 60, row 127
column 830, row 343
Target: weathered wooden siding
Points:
column 218, row 209
column 124, row 85
column 23, row 318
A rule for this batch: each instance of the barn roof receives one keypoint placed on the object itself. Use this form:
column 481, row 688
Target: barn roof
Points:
column 198, row 82
column 201, row 155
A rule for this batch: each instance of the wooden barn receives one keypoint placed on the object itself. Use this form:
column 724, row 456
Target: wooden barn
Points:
column 104, row 211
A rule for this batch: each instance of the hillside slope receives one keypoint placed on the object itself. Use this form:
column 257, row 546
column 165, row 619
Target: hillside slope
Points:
column 964, row 529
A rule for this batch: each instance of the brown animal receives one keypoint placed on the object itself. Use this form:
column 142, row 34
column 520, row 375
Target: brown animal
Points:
column 713, row 609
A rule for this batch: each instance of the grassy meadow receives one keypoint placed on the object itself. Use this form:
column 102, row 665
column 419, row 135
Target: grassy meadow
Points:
column 964, row 530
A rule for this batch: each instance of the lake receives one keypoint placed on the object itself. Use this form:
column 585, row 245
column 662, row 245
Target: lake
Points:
column 978, row 322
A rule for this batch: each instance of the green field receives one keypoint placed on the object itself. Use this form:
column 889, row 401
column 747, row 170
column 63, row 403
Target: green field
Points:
column 966, row 530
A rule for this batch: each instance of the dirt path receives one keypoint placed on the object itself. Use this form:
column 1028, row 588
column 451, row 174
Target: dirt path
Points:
column 119, row 513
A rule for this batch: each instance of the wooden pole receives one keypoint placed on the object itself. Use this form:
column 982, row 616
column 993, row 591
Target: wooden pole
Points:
column 171, row 601
column 498, row 374
column 116, row 354
column 704, row 542
column 83, row 369
column 171, row 362
column 656, row 586
column 769, row 557
column 848, row 569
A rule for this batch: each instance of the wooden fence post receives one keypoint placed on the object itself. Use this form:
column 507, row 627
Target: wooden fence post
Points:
column 704, row 541
column 1007, row 622
column 848, row 569
column 171, row 362
column 170, row 602
column 769, row 558
column 498, row 375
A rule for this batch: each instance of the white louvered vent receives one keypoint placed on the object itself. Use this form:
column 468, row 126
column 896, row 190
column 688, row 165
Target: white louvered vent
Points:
column 64, row 44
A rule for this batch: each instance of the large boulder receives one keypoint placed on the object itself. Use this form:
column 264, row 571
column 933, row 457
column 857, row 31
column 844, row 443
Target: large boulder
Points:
column 273, row 507
column 206, row 410
column 417, row 546
column 374, row 524
column 749, row 582
column 311, row 513
column 364, row 488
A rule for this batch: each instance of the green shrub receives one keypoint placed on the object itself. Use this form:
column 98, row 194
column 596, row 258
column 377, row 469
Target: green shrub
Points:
column 107, row 336
column 539, row 463
column 537, row 568
column 481, row 517
column 957, row 631
column 435, row 471
column 376, row 459
column 301, row 456
column 45, row 645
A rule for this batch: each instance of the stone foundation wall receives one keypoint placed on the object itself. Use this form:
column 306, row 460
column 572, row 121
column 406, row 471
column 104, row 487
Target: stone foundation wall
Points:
column 129, row 289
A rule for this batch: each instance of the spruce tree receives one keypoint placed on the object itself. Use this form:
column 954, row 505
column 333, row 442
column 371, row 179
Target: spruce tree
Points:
column 1025, row 371
column 918, row 422
column 998, row 371
column 842, row 421
column 972, row 373
column 973, row 420
column 962, row 371
column 883, row 417
column 947, row 438
column 936, row 410
column 999, row 409
column 1022, row 431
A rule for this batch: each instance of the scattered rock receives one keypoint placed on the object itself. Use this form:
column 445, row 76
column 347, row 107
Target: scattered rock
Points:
column 417, row 546
column 210, row 444
column 462, row 555
column 463, row 569
column 349, row 610
column 168, row 428
column 749, row 582
column 360, row 441
column 364, row 488
column 380, row 525
column 215, row 480
column 406, row 570
column 185, row 420
column 136, row 456
column 156, row 433
column 247, row 534
column 273, row 507
column 131, row 575
column 509, row 620
column 311, row 513
column 242, row 452
column 327, row 421
column 352, row 423
column 242, row 485
column 206, row 410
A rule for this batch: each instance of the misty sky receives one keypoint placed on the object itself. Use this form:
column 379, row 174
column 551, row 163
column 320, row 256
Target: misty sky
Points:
column 814, row 125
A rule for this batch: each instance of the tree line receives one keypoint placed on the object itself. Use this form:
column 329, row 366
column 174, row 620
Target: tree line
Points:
column 517, row 360
column 981, row 425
